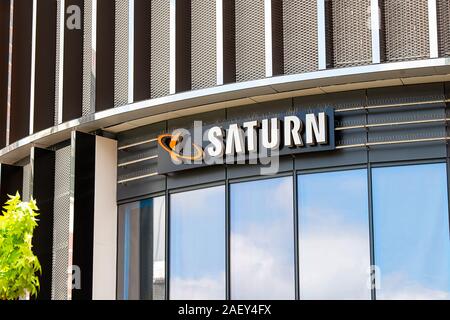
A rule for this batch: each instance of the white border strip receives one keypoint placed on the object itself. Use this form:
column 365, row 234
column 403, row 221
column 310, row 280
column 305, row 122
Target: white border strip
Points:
column 268, row 37
column 219, row 42
column 433, row 28
column 321, row 34
column 61, row 60
column 33, row 66
column 130, row 51
column 10, row 51
column 375, row 29
column 93, row 54
column 173, row 44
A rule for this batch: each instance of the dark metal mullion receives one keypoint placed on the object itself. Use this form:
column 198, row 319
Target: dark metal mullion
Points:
column 371, row 233
column 227, row 232
column 227, row 238
column 370, row 209
column 448, row 192
column 296, row 234
column 167, row 235
column 167, row 227
column 448, row 161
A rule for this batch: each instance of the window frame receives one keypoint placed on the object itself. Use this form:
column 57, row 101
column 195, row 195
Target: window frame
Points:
column 294, row 173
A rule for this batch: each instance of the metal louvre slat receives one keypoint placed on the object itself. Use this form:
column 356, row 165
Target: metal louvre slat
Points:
column 352, row 45
column 250, row 40
column 300, row 36
column 26, row 188
column 121, row 54
column 61, row 224
column 160, row 47
column 443, row 7
column 406, row 29
column 87, row 58
column 203, row 54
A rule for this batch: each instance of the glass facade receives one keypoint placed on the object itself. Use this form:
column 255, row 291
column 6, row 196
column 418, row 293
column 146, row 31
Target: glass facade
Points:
column 197, row 244
column 411, row 229
column 320, row 234
column 334, row 250
column 141, row 250
column 262, row 239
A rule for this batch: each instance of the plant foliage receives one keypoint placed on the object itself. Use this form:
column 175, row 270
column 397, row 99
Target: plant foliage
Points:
column 18, row 264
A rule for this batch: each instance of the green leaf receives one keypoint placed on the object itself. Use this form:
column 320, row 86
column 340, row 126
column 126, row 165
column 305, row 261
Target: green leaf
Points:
column 18, row 264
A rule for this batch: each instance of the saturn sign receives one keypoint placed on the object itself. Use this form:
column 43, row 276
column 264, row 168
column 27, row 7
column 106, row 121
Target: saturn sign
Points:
column 246, row 142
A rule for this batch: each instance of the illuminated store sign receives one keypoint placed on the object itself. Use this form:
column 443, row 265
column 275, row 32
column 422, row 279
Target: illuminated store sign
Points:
column 248, row 142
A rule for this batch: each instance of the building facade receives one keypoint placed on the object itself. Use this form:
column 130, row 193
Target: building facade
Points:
column 344, row 102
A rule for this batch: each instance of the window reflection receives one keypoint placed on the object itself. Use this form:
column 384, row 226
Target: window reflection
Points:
column 262, row 240
column 412, row 246
column 197, row 244
column 141, row 250
column 334, row 251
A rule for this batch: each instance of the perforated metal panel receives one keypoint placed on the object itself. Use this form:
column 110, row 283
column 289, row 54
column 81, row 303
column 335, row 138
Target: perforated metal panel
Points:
column 443, row 7
column 300, row 36
column 203, row 53
column 250, row 40
column 406, row 29
column 57, row 62
column 26, row 188
column 160, row 46
column 352, row 44
column 121, row 54
column 61, row 224
column 88, row 80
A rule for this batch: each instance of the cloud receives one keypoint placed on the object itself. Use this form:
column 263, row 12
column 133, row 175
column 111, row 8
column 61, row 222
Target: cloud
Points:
column 208, row 287
column 398, row 286
column 262, row 250
column 259, row 273
column 334, row 263
column 198, row 202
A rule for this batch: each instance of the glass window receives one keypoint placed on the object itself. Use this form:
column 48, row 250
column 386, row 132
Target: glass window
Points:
column 197, row 244
column 334, row 250
column 262, row 239
column 411, row 230
column 141, row 250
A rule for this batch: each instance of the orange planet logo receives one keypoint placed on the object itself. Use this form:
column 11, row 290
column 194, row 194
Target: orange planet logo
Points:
column 169, row 143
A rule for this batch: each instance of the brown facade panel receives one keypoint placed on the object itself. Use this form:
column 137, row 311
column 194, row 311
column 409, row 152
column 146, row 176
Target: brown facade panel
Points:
column 73, row 66
column 229, row 41
column 352, row 42
column 4, row 58
column 142, row 50
column 183, row 46
column 300, row 36
column 104, row 83
column 277, row 37
column 203, row 53
column 21, row 70
column 44, row 97
column 250, row 40
column 406, row 29
column 160, row 48
column 443, row 8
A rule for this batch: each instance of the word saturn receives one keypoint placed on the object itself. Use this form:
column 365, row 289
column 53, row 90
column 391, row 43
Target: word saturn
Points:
column 281, row 135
